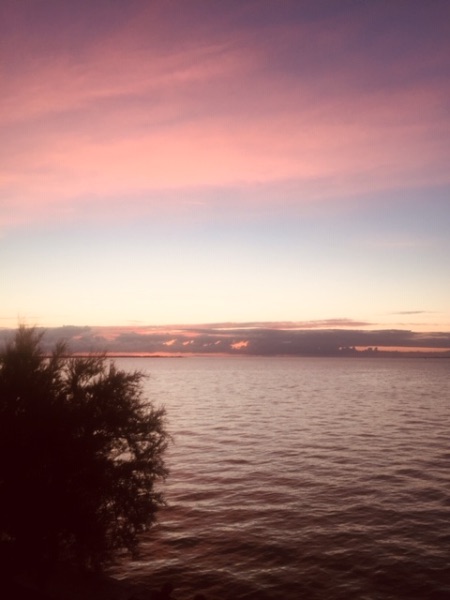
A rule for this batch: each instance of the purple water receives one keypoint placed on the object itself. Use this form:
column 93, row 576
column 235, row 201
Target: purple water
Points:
column 302, row 478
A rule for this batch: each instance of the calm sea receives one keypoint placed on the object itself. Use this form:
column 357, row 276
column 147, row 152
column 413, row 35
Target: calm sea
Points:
column 302, row 478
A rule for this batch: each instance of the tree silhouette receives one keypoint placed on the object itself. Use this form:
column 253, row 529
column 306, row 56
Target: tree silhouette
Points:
column 81, row 450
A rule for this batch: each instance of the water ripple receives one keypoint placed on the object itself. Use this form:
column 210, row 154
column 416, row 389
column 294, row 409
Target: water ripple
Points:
column 293, row 478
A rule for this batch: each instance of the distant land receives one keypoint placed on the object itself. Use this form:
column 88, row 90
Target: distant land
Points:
column 245, row 339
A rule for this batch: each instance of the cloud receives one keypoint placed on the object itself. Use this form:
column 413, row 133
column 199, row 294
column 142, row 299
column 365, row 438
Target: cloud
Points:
column 259, row 341
column 239, row 345
column 227, row 327
column 163, row 104
column 170, row 342
column 412, row 312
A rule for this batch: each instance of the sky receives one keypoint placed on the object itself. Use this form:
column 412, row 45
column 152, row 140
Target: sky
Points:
column 185, row 162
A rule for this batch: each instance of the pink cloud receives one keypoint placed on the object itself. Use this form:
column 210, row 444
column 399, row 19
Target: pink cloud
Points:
column 133, row 114
column 240, row 345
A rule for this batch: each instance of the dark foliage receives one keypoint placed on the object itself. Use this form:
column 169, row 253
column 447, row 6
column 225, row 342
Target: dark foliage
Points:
column 80, row 453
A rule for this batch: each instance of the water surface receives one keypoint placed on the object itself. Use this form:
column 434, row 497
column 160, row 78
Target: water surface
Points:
column 302, row 478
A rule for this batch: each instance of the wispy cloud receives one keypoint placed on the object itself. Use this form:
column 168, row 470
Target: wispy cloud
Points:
column 412, row 312
column 271, row 163
column 280, row 325
column 149, row 106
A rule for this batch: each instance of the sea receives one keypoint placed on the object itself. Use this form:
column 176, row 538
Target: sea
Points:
column 300, row 478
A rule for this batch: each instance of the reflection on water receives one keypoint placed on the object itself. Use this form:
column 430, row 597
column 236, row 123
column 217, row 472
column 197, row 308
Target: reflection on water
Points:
column 302, row 478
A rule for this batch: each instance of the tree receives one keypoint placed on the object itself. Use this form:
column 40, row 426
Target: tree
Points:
column 81, row 453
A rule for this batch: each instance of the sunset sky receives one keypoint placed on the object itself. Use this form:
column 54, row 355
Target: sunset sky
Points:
column 202, row 161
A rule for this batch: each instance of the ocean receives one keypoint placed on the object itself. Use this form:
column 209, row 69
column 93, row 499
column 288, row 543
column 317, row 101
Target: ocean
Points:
column 301, row 478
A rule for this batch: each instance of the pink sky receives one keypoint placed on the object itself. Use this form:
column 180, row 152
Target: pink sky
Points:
column 148, row 105
column 205, row 114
